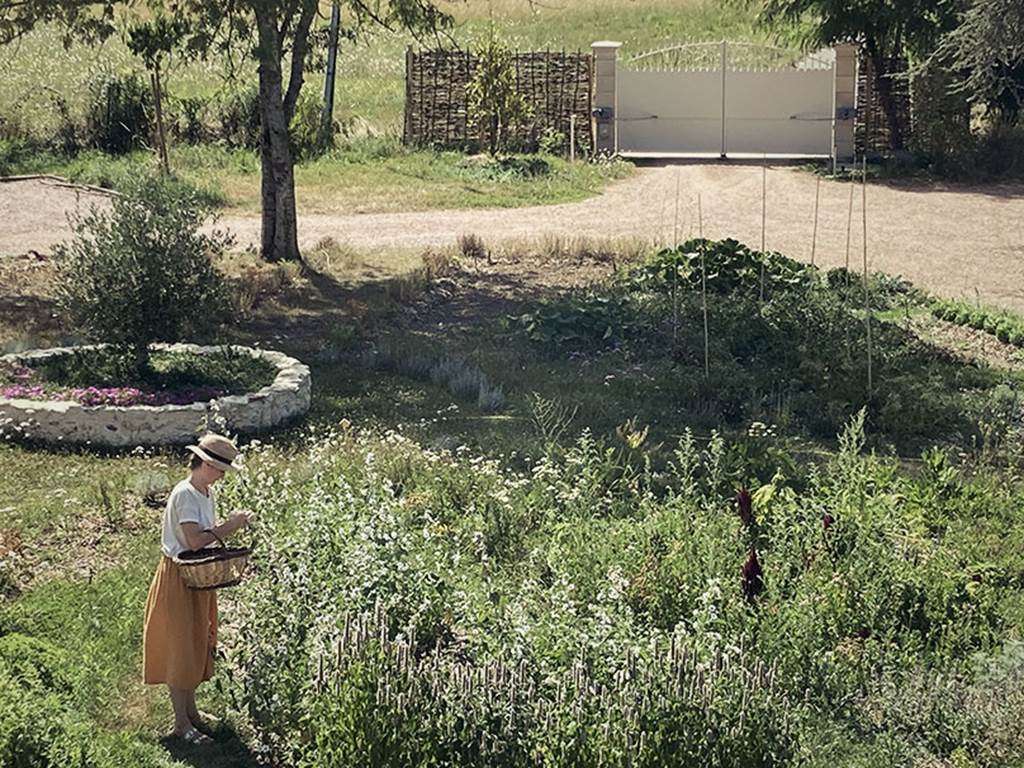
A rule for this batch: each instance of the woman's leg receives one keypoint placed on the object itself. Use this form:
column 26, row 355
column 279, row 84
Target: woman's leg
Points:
column 180, row 698
column 191, row 709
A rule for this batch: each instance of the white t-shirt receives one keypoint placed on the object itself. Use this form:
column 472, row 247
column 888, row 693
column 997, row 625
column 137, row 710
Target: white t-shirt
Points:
column 185, row 505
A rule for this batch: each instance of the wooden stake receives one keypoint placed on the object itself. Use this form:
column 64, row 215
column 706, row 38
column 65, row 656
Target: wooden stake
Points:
column 867, row 298
column 572, row 137
column 704, row 289
column 814, row 234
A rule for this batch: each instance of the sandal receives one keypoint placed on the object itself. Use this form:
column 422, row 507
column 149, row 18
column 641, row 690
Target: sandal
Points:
column 194, row 737
column 206, row 723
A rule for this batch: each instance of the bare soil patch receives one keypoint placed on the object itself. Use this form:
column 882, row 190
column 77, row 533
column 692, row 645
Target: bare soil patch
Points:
column 970, row 344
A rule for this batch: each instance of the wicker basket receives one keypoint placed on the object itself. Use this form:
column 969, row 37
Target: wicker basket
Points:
column 213, row 568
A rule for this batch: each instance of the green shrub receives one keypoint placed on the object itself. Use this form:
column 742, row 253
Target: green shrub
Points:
column 13, row 154
column 238, row 119
column 309, row 137
column 36, row 663
column 186, row 119
column 39, row 727
column 582, row 319
column 729, row 267
column 801, row 353
column 119, row 116
column 497, row 110
column 142, row 272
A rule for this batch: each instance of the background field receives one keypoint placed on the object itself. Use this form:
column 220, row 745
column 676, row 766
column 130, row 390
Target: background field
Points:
column 45, row 86
column 369, row 93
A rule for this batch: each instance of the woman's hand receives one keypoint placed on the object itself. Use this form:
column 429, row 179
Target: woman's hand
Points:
column 240, row 520
column 197, row 538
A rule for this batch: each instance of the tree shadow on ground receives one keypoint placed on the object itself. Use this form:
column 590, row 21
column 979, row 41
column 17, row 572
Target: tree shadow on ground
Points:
column 442, row 307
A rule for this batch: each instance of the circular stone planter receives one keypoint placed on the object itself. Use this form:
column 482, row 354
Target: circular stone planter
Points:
column 65, row 421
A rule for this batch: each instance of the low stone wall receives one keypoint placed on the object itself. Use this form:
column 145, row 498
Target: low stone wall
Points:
column 63, row 421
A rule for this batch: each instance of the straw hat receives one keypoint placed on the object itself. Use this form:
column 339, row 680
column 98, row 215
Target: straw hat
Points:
column 216, row 450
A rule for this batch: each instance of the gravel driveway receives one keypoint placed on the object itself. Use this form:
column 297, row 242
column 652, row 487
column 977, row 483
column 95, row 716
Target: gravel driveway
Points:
column 955, row 241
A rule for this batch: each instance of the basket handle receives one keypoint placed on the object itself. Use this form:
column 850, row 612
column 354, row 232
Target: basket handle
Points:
column 218, row 538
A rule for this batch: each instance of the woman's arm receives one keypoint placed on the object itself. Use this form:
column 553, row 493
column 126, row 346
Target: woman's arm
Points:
column 197, row 538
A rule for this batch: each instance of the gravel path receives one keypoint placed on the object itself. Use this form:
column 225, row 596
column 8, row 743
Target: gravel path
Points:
column 955, row 241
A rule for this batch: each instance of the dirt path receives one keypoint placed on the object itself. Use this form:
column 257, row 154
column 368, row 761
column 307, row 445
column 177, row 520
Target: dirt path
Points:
column 955, row 241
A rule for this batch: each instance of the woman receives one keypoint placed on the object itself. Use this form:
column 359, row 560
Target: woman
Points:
column 180, row 632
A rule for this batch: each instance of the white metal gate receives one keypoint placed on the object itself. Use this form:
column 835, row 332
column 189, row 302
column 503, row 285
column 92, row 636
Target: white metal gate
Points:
column 727, row 99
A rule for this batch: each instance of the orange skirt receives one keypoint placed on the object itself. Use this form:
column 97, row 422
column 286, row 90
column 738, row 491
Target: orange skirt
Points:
column 180, row 633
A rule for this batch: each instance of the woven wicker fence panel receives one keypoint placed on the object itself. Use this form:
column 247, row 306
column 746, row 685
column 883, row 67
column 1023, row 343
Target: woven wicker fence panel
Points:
column 557, row 85
column 872, row 132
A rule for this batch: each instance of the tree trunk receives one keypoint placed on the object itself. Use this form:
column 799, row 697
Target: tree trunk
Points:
column 141, row 354
column 279, row 226
column 161, row 136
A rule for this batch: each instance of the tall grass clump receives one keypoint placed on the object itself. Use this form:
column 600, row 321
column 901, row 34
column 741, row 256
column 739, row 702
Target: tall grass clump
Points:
column 413, row 607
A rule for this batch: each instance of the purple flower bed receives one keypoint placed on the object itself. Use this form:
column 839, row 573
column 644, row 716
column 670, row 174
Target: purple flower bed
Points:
column 21, row 386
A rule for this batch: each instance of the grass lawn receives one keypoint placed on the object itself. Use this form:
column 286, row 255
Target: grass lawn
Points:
column 368, row 177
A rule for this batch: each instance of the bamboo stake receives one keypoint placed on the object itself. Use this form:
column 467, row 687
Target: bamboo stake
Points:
column 849, row 227
column 764, row 193
column 867, row 298
column 814, row 234
column 675, row 221
column 703, row 288
column 675, row 274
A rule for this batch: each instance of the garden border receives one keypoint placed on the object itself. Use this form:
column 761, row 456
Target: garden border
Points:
column 68, row 422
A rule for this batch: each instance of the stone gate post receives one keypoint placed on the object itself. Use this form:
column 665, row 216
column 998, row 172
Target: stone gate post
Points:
column 845, row 103
column 602, row 123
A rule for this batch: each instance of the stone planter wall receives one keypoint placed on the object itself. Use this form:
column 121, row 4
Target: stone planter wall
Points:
column 63, row 421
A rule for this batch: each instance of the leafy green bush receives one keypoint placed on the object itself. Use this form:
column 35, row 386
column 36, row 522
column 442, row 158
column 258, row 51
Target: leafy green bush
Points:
column 309, row 137
column 729, row 267
column 497, row 110
column 583, row 319
column 238, row 119
column 142, row 272
column 13, row 154
column 187, row 119
column 506, row 167
column 884, row 291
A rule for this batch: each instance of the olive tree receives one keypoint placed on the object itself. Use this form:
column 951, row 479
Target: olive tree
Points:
column 142, row 271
